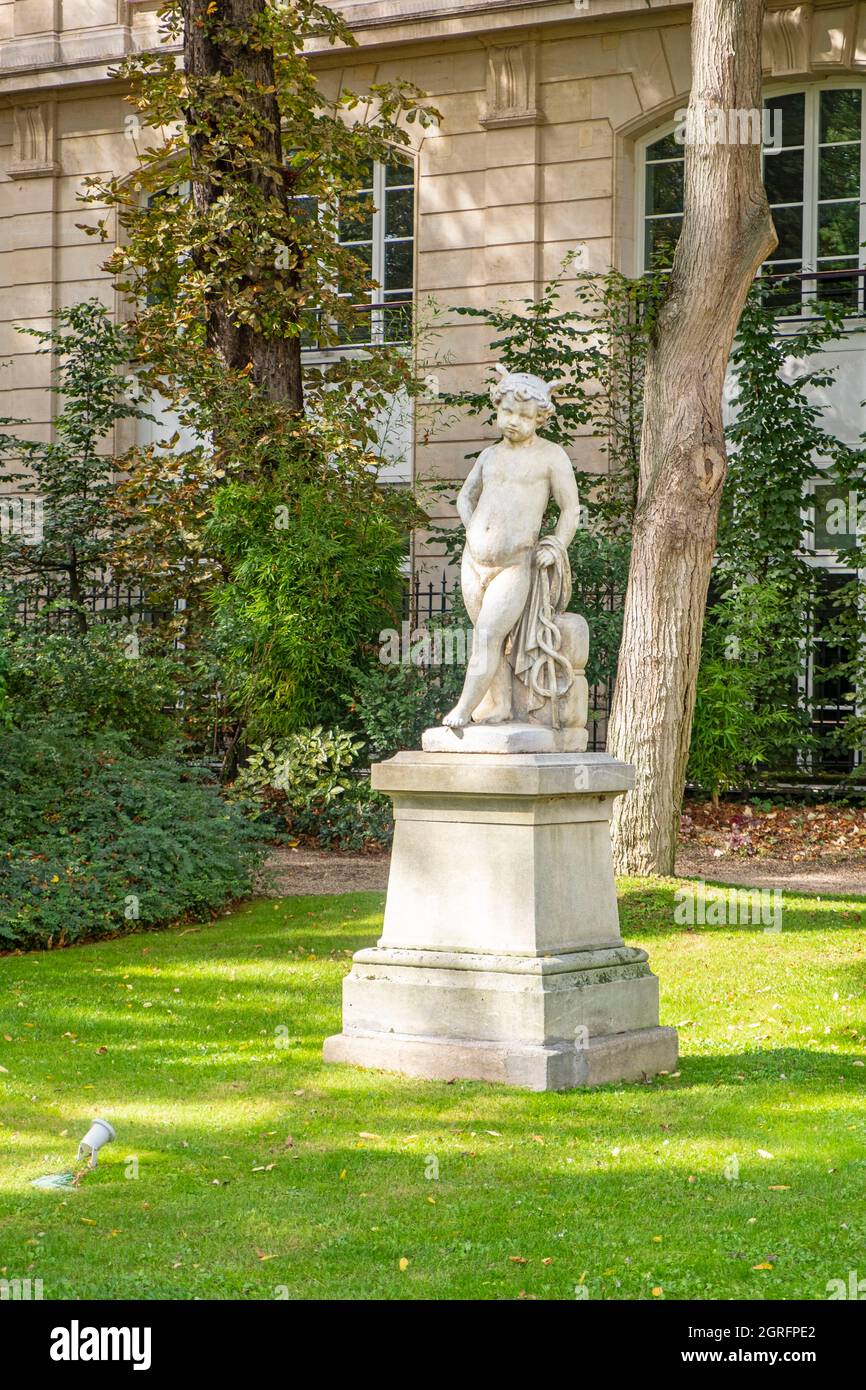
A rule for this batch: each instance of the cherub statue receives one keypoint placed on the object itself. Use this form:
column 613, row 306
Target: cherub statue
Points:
column 515, row 582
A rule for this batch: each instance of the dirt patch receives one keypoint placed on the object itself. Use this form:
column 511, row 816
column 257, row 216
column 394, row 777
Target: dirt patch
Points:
column 834, row 880
column 810, row 849
column 295, row 872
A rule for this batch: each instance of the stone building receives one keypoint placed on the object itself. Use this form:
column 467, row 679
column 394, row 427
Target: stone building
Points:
column 555, row 138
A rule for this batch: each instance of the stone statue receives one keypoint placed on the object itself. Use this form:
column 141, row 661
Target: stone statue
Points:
column 525, row 676
column 501, row 957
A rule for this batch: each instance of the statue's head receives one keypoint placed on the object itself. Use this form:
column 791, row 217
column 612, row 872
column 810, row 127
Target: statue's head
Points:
column 521, row 389
column 523, row 386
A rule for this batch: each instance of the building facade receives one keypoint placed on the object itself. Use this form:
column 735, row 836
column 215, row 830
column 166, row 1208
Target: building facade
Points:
column 556, row 138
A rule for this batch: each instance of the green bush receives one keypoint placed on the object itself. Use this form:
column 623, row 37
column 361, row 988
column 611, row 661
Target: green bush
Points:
column 313, row 573
column 360, row 819
column 100, row 676
column 738, row 723
column 96, row 839
column 309, row 765
column 395, row 703
column 303, row 785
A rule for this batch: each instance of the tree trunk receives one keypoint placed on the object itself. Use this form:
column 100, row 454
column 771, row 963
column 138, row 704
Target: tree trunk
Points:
column 727, row 232
column 275, row 361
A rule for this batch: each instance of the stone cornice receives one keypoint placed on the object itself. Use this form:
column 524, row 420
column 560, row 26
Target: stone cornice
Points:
column 803, row 40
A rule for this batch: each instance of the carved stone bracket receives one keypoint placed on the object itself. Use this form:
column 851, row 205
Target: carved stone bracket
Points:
column 511, row 86
column 33, row 141
column 804, row 39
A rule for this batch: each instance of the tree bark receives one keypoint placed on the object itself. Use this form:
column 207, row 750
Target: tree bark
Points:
column 727, row 232
column 275, row 361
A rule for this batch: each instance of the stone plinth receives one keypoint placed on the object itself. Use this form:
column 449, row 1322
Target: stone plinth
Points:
column 501, row 957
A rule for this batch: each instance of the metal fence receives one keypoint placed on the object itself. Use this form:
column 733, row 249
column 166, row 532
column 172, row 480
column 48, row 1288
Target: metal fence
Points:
column 50, row 607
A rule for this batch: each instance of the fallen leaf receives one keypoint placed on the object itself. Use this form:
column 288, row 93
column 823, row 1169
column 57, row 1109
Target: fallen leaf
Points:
column 764, row 1265
column 517, row 1259
column 404, row 1263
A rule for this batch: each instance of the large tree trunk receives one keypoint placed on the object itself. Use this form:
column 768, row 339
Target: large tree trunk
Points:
column 727, row 232
column 275, row 361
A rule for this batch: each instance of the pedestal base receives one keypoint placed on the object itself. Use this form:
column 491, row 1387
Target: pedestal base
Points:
column 634, row 1056
column 501, row 957
column 513, row 737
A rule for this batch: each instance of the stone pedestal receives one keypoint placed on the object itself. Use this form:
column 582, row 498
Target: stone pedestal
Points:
column 501, row 957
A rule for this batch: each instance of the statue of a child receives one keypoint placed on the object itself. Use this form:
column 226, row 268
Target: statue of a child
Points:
column 502, row 506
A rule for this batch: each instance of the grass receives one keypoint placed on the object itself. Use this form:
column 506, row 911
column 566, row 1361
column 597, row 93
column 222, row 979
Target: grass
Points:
column 203, row 1046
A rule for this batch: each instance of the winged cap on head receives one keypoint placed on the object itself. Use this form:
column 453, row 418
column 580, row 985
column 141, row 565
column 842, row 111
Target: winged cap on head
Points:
column 525, row 387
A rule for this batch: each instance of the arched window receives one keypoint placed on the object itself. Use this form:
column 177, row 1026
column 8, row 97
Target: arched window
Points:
column 814, row 177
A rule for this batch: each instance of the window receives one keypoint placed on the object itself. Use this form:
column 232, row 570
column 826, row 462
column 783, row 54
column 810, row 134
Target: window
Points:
column 813, row 174
column 378, row 224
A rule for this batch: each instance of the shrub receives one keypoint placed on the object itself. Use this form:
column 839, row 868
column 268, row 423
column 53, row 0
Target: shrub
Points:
column 738, row 724
column 396, row 703
column 360, row 819
column 96, row 839
column 98, row 675
column 303, row 785
column 308, row 766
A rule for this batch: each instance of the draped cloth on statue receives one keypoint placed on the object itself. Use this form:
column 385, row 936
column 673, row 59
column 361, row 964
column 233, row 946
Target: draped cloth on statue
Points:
column 535, row 643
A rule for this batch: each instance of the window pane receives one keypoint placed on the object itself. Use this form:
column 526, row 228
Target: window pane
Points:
column 662, row 235
column 356, row 217
column 398, row 317
column 789, row 230
column 666, row 148
column 839, row 171
column 399, row 173
column 781, row 288
column 837, row 515
column 399, row 207
column 838, row 229
column 791, row 117
column 664, row 188
column 840, row 115
column 398, row 265
column 783, row 177
column 840, row 288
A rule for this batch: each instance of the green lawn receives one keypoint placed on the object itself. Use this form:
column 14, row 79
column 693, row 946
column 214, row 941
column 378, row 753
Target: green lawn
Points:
column 203, row 1046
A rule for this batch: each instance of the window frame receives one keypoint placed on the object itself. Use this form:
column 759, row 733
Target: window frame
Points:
column 379, row 239
column 811, row 136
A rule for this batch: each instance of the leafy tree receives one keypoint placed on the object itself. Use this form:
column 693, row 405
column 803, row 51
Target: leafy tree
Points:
column 727, row 232
column 71, row 479
column 232, row 216
column 762, row 623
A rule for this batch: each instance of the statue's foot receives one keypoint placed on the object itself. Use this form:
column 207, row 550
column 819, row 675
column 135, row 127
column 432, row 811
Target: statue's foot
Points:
column 458, row 718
